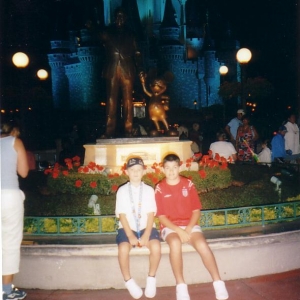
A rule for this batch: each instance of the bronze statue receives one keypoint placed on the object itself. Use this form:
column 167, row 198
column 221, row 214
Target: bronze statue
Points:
column 122, row 60
column 159, row 102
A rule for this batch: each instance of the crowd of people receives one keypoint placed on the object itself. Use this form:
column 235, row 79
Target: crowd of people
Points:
column 240, row 141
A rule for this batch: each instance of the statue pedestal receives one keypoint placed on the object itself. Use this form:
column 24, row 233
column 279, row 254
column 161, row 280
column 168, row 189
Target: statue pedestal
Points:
column 113, row 153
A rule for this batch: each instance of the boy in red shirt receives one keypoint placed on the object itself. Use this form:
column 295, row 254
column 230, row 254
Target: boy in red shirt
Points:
column 178, row 210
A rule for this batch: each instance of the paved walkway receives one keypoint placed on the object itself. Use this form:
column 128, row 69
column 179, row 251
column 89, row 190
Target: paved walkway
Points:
column 283, row 286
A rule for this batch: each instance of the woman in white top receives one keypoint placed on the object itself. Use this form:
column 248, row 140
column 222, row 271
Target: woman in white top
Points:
column 13, row 162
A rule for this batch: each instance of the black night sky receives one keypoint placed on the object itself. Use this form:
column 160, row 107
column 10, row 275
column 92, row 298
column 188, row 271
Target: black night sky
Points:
column 269, row 28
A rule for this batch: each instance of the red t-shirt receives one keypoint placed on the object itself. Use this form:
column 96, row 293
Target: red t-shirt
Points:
column 177, row 202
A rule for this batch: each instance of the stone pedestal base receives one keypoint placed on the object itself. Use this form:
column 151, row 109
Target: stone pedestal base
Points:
column 113, row 153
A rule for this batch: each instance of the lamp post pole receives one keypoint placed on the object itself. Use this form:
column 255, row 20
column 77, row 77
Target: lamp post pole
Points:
column 21, row 61
column 223, row 71
column 243, row 56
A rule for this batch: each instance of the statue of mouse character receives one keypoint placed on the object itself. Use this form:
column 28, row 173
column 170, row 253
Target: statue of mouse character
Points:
column 159, row 103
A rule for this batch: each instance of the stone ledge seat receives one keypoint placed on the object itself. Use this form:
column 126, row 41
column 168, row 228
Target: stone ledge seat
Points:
column 75, row 267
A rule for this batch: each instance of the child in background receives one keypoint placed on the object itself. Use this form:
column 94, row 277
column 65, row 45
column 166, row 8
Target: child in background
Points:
column 136, row 207
column 264, row 156
column 178, row 210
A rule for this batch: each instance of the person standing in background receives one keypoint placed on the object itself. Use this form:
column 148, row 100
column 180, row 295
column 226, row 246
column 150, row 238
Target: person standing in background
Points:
column 13, row 162
column 245, row 139
column 232, row 127
column 291, row 137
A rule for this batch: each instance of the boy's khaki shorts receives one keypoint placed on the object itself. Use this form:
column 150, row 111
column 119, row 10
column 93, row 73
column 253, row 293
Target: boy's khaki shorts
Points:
column 166, row 231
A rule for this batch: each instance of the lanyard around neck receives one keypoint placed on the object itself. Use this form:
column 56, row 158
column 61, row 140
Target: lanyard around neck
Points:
column 137, row 216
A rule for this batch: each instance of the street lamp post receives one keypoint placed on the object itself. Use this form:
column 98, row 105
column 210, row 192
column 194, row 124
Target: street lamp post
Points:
column 21, row 61
column 223, row 71
column 243, row 56
column 42, row 74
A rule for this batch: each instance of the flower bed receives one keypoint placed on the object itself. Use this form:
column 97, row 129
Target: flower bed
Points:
column 95, row 179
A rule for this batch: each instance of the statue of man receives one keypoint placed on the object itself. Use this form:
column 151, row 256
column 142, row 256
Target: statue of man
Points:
column 122, row 61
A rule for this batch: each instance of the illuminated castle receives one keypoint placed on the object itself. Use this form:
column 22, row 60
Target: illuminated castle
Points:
column 171, row 38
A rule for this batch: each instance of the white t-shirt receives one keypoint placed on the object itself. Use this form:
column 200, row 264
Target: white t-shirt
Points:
column 224, row 149
column 265, row 156
column 124, row 204
column 292, row 138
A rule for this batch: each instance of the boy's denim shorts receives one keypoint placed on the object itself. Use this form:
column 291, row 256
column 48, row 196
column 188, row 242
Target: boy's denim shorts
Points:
column 122, row 237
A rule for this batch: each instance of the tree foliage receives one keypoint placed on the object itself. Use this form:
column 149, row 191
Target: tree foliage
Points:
column 257, row 88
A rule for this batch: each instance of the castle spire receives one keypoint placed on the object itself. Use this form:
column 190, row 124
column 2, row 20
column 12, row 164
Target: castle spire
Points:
column 209, row 43
column 169, row 16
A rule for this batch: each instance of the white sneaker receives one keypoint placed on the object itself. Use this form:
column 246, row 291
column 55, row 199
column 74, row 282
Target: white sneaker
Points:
column 220, row 290
column 182, row 292
column 150, row 290
column 134, row 290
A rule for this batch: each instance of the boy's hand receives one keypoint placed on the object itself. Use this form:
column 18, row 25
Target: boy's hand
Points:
column 183, row 235
column 133, row 240
column 188, row 229
column 144, row 240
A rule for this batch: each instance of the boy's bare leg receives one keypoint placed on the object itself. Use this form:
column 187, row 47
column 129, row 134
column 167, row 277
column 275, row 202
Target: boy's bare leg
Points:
column 199, row 242
column 154, row 258
column 123, row 256
column 175, row 245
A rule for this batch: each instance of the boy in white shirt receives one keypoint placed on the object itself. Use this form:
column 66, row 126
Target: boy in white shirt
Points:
column 136, row 208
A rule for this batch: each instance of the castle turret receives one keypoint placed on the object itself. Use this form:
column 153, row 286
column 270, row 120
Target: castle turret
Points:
column 211, row 68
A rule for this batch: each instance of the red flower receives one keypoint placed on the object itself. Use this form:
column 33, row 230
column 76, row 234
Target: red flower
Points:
column 223, row 159
column 211, row 164
column 76, row 158
column 93, row 184
column 68, row 160
column 78, row 183
column 69, row 165
column 66, row 173
column 55, row 174
column 205, row 158
column 217, row 157
column 202, row 174
column 100, row 168
column 114, row 187
column 188, row 164
column 92, row 165
column 224, row 166
column 85, row 169
column 154, row 180
column 157, row 171
column 47, row 171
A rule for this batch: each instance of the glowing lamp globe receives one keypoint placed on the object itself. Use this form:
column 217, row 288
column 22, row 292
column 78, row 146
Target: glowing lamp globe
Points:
column 223, row 70
column 243, row 56
column 42, row 74
column 20, row 60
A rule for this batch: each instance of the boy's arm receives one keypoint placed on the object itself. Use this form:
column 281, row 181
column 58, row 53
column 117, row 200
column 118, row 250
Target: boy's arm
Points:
column 193, row 221
column 133, row 240
column 183, row 235
column 145, row 237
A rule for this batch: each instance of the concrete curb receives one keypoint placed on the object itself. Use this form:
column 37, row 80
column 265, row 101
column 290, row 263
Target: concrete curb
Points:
column 74, row 267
